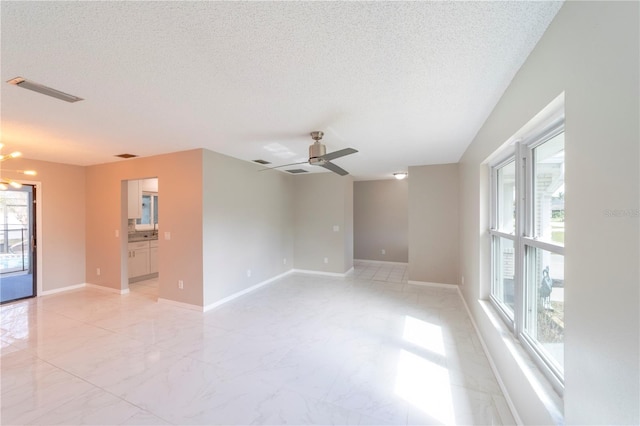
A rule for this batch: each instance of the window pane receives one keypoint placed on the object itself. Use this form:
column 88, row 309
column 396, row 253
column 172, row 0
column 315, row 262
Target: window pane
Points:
column 146, row 211
column 549, row 190
column 544, row 304
column 506, row 202
column 502, row 287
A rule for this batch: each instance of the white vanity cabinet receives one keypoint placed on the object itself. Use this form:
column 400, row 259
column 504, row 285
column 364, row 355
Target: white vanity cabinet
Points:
column 138, row 259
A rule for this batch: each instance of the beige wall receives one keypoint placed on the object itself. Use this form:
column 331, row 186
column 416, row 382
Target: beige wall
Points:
column 247, row 225
column 433, row 223
column 62, row 201
column 180, row 213
column 381, row 220
column 322, row 200
column 591, row 52
column 347, row 234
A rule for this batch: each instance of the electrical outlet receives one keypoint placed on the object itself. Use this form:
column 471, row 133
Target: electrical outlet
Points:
column 97, row 271
column 336, row 228
column 326, row 260
column 180, row 284
column 167, row 235
column 284, row 261
column 248, row 272
column 383, row 251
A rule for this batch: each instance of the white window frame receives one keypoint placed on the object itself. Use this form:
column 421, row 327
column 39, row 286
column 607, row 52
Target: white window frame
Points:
column 521, row 151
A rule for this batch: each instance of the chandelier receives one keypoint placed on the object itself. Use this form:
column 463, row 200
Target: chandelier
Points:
column 5, row 183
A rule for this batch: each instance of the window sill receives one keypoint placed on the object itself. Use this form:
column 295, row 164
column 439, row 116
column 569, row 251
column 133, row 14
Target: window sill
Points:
column 518, row 375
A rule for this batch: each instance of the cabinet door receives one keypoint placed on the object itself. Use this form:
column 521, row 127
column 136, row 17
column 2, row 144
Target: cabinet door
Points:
column 131, row 266
column 153, row 260
column 139, row 262
column 135, row 199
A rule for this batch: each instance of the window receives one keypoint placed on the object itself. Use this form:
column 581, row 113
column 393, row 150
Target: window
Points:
column 527, row 239
column 149, row 209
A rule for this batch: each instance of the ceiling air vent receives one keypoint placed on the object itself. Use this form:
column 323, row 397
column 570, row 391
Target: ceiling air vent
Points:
column 40, row 88
column 261, row 162
column 296, row 171
column 126, row 155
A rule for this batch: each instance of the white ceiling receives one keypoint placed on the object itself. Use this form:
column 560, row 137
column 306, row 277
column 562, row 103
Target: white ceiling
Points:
column 403, row 83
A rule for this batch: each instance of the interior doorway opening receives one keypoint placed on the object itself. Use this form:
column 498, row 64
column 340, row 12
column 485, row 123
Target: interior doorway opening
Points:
column 142, row 237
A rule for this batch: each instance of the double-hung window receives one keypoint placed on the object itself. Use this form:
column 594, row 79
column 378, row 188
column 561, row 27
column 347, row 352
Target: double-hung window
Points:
column 527, row 245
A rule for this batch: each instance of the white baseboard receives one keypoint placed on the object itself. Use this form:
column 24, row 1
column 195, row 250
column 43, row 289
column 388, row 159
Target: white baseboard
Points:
column 439, row 285
column 180, row 304
column 245, row 291
column 327, row 274
column 503, row 388
column 381, row 261
column 62, row 289
column 108, row 289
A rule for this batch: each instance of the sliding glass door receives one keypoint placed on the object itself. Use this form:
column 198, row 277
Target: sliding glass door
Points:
column 17, row 243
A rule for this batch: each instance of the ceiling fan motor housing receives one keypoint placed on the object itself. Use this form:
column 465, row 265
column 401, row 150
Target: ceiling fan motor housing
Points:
column 316, row 152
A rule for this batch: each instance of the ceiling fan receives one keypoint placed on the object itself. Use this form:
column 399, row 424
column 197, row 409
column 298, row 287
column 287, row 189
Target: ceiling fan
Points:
column 318, row 156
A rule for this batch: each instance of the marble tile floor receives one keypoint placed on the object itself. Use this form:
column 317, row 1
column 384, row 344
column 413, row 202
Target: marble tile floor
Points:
column 302, row 350
column 147, row 288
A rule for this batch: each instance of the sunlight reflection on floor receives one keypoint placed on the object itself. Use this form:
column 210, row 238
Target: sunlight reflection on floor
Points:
column 420, row 381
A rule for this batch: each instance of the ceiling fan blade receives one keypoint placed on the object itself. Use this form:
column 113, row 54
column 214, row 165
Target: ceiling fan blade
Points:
column 335, row 169
column 337, row 154
column 284, row 165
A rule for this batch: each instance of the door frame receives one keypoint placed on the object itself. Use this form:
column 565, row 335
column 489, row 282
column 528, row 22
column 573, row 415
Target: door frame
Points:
column 38, row 225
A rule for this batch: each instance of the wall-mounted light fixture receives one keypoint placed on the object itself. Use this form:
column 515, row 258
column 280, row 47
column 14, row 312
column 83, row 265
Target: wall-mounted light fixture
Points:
column 400, row 175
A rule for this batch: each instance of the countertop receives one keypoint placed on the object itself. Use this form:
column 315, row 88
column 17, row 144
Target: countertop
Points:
column 144, row 237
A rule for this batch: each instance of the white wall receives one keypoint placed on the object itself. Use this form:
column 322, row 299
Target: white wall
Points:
column 381, row 220
column 591, row 52
column 322, row 201
column 433, row 223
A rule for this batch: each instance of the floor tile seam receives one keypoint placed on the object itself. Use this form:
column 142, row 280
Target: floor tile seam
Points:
column 288, row 350
column 144, row 410
column 93, row 385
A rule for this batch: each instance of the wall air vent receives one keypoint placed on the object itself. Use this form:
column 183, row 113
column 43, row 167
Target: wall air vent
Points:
column 37, row 87
column 261, row 162
column 126, row 155
column 296, row 171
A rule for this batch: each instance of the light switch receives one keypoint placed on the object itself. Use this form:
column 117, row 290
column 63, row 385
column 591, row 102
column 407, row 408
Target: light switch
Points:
column 167, row 235
column 117, row 233
column 336, row 228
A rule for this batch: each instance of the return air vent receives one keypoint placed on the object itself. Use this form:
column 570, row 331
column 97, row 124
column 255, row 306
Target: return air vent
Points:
column 296, row 171
column 41, row 88
column 261, row 162
column 126, row 155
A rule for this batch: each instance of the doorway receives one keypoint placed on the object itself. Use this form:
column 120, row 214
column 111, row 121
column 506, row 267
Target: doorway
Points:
column 142, row 237
column 17, row 243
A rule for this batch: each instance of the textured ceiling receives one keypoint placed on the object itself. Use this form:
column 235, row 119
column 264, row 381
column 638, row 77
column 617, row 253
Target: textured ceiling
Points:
column 403, row 83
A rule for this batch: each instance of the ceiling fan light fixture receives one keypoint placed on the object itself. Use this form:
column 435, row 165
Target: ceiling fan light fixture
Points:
column 400, row 175
column 42, row 89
